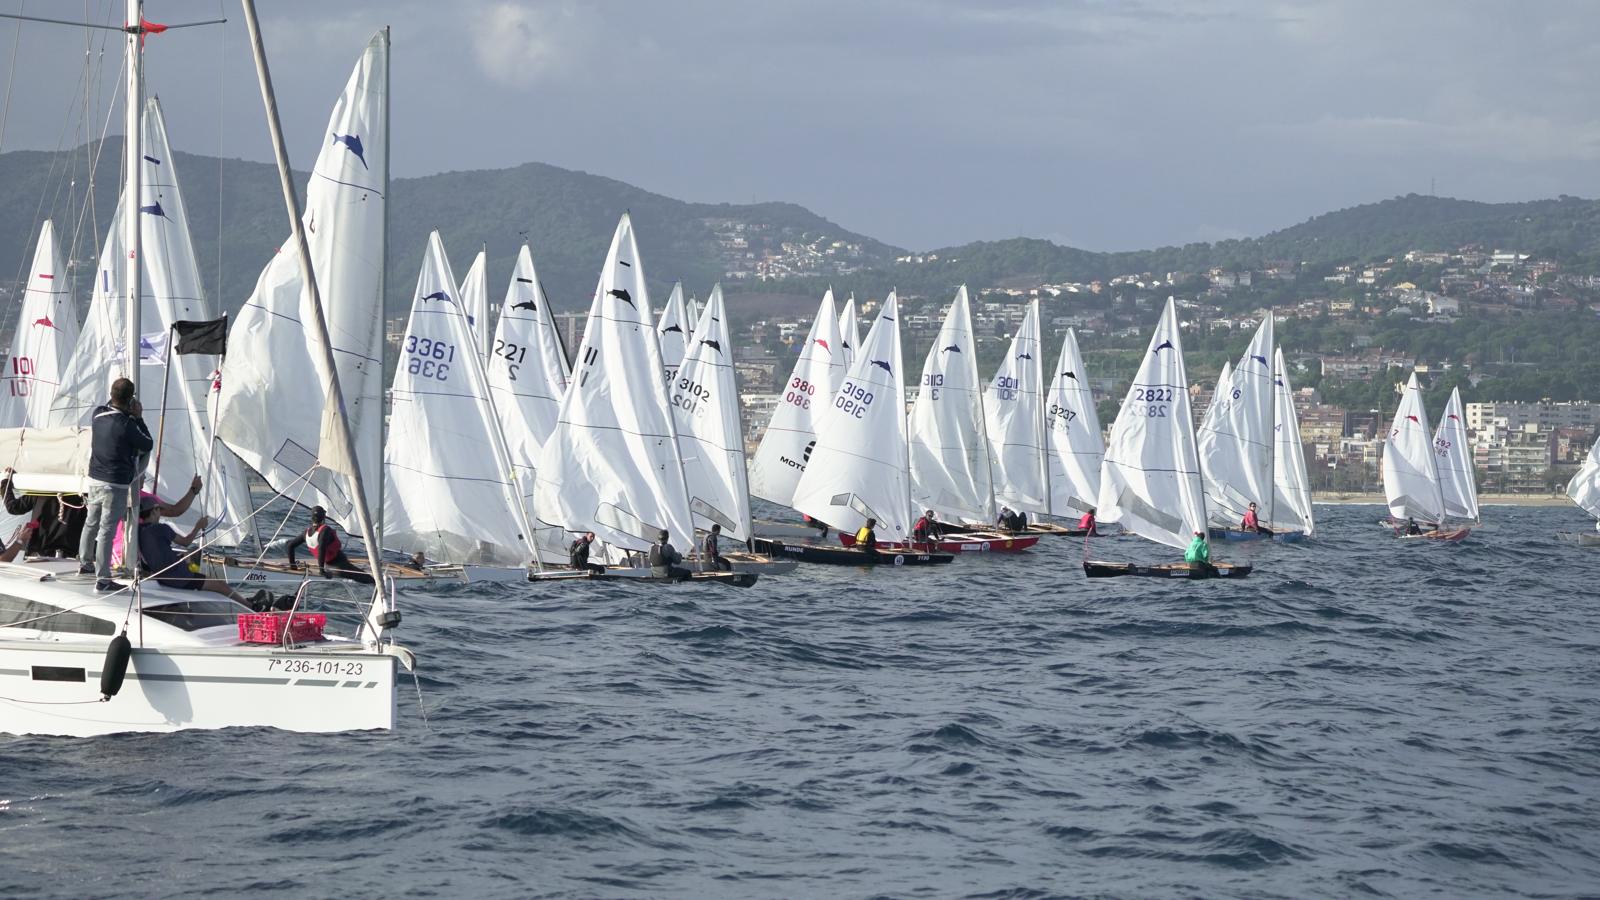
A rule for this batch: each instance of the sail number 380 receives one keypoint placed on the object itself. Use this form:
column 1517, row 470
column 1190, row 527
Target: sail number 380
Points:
column 429, row 358
column 800, row 393
column 853, row 399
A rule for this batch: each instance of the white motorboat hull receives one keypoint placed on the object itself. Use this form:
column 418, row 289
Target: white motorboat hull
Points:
column 278, row 577
column 322, row 688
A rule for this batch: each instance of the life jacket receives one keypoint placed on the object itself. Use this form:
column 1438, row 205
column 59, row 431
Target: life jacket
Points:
column 1087, row 521
column 320, row 536
column 920, row 530
column 865, row 535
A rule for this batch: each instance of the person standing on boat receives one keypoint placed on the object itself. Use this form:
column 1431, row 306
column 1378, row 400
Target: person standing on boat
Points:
column 578, row 555
column 323, row 539
column 665, row 559
column 867, row 537
column 118, row 438
column 709, row 555
column 1252, row 522
column 1198, row 556
column 58, row 519
column 1087, row 523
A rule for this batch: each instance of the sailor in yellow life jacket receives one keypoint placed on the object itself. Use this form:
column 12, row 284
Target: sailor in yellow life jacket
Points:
column 867, row 538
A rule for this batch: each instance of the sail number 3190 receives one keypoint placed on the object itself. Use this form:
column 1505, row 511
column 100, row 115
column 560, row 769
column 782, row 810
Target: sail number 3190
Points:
column 853, row 399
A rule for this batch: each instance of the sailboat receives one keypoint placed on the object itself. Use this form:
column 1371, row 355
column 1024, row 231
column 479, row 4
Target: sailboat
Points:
column 1291, row 486
column 860, row 468
column 1075, row 445
column 1014, row 414
column 474, row 293
column 612, row 466
column 1584, row 489
column 1150, row 481
column 1453, row 452
column 179, row 661
column 673, row 330
column 849, row 332
column 450, row 490
column 46, row 333
column 1410, row 471
column 785, row 449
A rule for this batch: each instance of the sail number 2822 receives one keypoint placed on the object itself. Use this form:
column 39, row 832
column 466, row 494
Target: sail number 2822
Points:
column 429, row 358
column 1150, row 402
column 853, row 399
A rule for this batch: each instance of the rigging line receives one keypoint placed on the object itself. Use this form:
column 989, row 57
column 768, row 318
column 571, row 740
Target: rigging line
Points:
column 93, row 149
column 11, row 77
column 222, row 107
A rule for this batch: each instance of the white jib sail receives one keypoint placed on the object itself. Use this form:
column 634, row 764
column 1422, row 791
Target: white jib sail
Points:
column 673, row 330
column 1584, row 488
column 1224, row 379
column 1291, row 504
column 528, row 369
column 612, row 465
column 449, row 488
column 786, row 446
column 1410, row 475
column 1236, row 438
column 47, row 332
column 949, row 454
column 849, row 332
column 171, row 292
column 1076, row 445
column 1150, row 482
column 1014, row 409
column 693, row 306
column 275, row 392
column 1454, row 462
column 705, row 405
column 475, row 302
column 858, row 469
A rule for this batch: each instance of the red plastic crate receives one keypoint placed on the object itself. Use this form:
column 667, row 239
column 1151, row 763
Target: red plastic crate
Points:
column 268, row 628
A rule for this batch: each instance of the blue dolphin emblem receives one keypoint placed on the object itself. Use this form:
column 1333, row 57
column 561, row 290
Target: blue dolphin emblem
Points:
column 352, row 142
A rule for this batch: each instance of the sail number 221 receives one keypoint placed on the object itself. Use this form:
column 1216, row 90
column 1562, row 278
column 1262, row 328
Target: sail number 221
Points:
column 429, row 358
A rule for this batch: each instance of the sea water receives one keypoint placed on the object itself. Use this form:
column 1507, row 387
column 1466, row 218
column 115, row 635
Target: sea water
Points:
column 1362, row 716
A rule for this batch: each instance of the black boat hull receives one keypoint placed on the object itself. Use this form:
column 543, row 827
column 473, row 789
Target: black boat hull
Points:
column 1096, row 569
column 846, row 556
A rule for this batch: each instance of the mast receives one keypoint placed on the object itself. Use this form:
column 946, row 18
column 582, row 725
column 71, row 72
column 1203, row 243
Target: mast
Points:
column 133, row 265
column 383, row 279
column 319, row 323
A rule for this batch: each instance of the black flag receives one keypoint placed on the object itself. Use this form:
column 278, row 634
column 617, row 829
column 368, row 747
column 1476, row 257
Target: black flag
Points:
column 210, row 338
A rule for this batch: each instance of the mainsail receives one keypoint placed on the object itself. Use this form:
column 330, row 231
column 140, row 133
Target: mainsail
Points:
column 1224, row 382
column 673, row 330
column 1454, row 462
column 42, row 345
column 949, row 452
column 1584, row 488
column 1076, row 445
column 1291, row 504
column 858, row 469
column 527, row 369
column 786, row 446
column 274, row 404
column 705, row 406
column 849, row 332
column 449, row 488
column 1410, row 474
column 475, row 302
column 1236, row 439
column 1150, row 482
column 1014, row 410
column 612, row 465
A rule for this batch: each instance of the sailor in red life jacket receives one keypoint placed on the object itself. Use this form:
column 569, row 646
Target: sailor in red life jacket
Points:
column 1086, row 524
column 927, row 529
column 1251, row 522
column 325, row 547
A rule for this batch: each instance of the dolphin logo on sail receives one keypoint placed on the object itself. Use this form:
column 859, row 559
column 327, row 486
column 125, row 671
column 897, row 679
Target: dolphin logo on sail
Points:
column 622, row 294
column 45, row 321
column 1164, row 345
column 154, row 209
column 715, row 345
column 1414, row 419
column 1454, row 416
column 1071, row 375
column 441, row 296
column 671, row 328
column 883, row 365
column 952, row 348
column 1025, row 355
column 352, row 142
column 1258, row 358
column 525, row 304
column 823, row 343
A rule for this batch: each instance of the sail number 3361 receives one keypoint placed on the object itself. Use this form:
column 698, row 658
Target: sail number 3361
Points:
column 429, row 358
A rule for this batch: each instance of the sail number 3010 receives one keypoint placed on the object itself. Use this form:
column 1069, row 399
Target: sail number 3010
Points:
column 429, row 358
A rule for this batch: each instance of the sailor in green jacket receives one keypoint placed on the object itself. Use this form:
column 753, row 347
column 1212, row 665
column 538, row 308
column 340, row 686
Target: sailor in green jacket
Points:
column 1198, row 556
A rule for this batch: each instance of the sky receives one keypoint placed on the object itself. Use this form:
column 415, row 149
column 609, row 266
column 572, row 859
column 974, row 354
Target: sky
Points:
column 1101, row 124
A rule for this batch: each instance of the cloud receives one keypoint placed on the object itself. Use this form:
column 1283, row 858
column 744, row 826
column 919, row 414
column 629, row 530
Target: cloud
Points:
column 1505, row 135
column 518, row 44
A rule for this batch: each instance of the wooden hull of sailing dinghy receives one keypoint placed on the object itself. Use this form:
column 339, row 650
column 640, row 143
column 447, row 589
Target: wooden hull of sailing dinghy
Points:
column 975, row 542
column 730, row 579
column 1590, row 539
column 1095, row 569
column 743, row 563
column 54, row 688
column 1448, row 536
column 1234, row 534
column 822, row 554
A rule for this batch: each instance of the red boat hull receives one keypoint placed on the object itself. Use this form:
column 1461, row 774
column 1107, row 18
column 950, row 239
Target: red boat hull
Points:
column 957, row 543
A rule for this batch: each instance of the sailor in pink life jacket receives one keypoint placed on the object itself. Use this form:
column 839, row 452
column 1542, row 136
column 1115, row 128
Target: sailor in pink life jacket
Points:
column 326, row 549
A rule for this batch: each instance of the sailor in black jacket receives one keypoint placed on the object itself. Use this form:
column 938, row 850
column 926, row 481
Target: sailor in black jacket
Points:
column 119, row 439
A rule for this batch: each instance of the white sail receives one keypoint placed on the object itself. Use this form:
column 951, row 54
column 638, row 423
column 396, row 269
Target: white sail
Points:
column 1410, row 475
column 1014, row 410
column 528, row 369
column 693, row 306
column 171, row 292
column 1224, row 381
column 858, row 469
column 612, row 465
column 673, row 330
column 274, row 404
column 1150, row 482
column 1454, row 462
column 849, row 331
column 949, row 453
column 475, row 302
column 449, row 488
column 705, row 406
column 42, row 345
column 786, row 446
column 1291, row 505
column 1584, row 488
column 1236, row 439
column 1076, row 445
